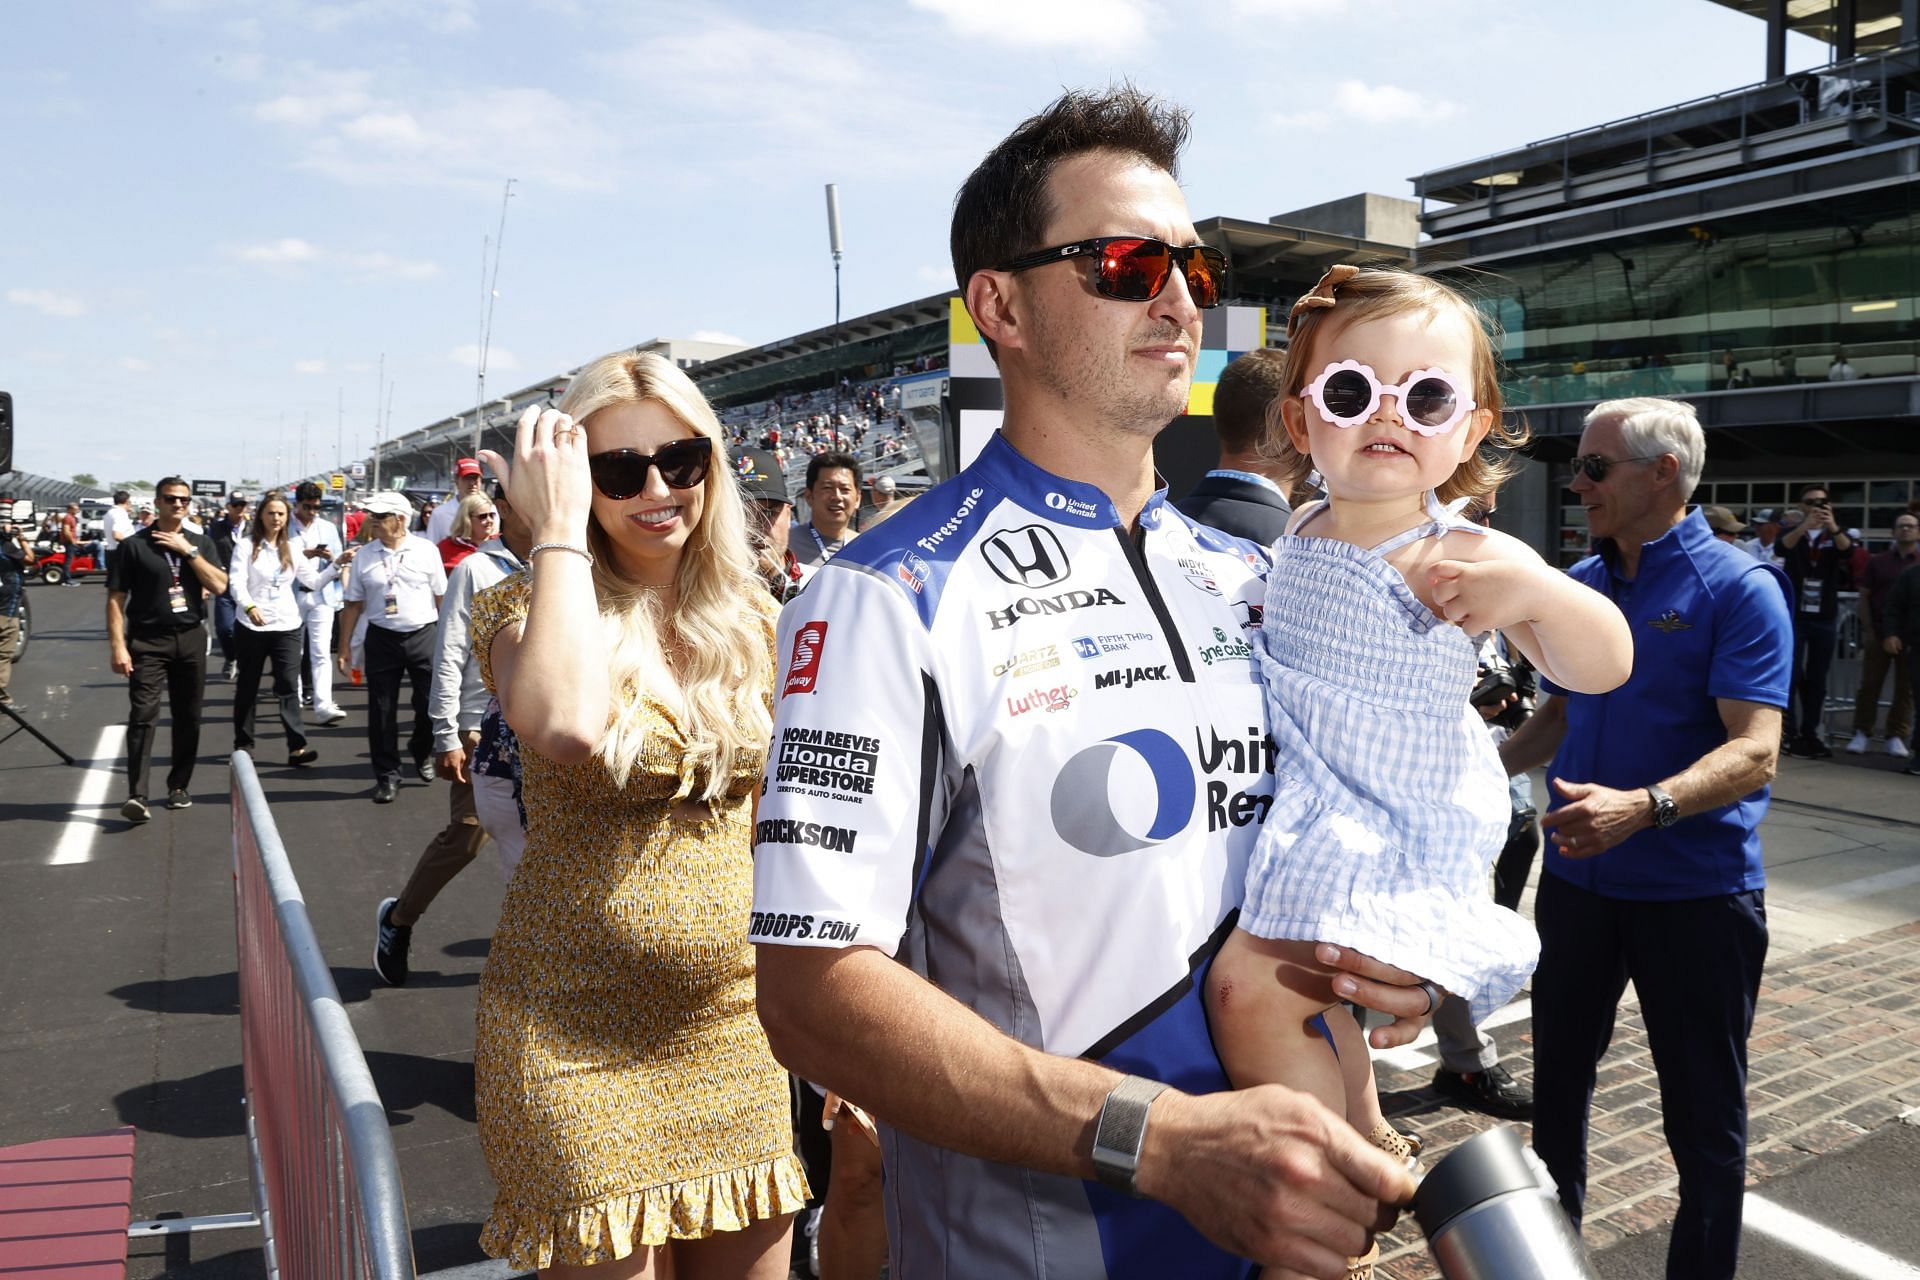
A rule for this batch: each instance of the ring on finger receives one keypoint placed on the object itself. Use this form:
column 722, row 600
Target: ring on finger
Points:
column 1433, row 997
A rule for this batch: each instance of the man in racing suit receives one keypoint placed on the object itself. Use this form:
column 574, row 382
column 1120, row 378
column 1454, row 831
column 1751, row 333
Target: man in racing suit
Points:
column 1017, row 766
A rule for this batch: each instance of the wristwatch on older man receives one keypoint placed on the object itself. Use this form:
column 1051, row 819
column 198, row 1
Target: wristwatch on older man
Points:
column 1665, row 811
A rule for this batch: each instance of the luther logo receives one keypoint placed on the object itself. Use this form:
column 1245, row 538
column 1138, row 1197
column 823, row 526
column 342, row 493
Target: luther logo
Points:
column 1030, row 556
column 803, row 672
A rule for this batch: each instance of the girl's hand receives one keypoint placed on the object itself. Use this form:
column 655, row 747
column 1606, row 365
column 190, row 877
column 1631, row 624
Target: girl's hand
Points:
column 1483, row 595
column 548, row 483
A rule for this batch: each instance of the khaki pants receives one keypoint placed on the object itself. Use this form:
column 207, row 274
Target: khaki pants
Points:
column 1874, row 662
column 448, row 853
column 9, row 641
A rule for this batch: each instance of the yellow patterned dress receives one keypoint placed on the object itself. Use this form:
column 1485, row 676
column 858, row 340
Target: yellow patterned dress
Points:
column 625, row 1089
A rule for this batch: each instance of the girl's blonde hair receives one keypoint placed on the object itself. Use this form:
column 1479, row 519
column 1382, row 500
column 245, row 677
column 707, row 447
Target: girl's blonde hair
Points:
column 257, row 530
column 720, row 639
column 1345, row 296
column 462, row 526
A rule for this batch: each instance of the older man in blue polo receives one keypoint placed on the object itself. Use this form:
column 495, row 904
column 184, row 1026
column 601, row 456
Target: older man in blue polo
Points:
column 1654, row 871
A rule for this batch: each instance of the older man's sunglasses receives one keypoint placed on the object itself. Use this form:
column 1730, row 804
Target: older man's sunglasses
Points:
column 1137, row 268
column 621, row 473
column 1594, row 466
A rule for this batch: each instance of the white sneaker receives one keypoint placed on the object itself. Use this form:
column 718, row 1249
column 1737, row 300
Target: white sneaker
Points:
column 1858, row 746
column 1897, row 748
column 330, row 715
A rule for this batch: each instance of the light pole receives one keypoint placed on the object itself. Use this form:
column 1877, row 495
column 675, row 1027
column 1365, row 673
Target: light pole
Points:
column 488, row 294
column 833, row 241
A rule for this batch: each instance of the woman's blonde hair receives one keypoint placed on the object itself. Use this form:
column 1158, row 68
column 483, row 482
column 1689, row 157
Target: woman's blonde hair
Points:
column 724, row 675
column 1341, row 299
column 462, row 527
column 257, row 530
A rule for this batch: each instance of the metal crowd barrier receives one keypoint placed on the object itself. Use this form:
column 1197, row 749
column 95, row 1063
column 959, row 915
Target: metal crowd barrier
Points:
column 326, row 1181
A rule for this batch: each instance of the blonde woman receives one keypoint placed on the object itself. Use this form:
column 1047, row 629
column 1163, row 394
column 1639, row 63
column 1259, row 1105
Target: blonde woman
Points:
column 473, row 523
column 630, row 1110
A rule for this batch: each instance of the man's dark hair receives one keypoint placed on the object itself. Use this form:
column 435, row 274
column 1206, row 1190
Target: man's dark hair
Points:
column 169, row 482
column 120, row 496
column 828, row 462
column 1246, row 390
column 1004, row 206
column 309, row 491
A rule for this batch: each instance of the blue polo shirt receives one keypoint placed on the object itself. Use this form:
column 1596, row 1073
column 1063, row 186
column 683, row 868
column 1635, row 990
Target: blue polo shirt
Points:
column 1708, row 622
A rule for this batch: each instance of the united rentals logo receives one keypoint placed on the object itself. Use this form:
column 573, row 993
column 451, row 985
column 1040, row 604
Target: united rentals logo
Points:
column 1030, row 557
column 1670, row 622
column 803, row 671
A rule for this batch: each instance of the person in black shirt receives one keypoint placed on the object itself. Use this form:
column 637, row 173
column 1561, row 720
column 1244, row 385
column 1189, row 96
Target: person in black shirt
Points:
column 13, row 586
column 231, row 524
column 158, row 584
column 1239, row 496
column 1815, row 554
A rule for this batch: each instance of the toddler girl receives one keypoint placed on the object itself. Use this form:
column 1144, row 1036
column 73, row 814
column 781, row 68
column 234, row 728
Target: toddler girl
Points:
column 1390, row 801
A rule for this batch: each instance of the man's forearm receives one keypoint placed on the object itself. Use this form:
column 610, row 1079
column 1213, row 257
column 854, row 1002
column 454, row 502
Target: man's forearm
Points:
column 1535, row 741
column 1739, row 767
column 880, row 1036
column 116, row 623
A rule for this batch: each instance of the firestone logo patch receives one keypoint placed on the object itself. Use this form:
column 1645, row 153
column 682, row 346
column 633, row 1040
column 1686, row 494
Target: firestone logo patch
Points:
column 803, row 670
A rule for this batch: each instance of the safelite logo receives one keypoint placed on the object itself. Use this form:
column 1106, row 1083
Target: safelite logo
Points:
column 803, row 671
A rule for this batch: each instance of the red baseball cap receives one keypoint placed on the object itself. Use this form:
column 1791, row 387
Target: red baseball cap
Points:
column 466, row 467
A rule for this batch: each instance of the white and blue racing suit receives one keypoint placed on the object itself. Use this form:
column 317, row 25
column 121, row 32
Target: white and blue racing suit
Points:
column 1022, row 750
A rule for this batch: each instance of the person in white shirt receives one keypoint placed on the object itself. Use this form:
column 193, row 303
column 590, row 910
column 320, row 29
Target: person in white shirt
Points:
column 397, row 584
column 119, row 521
column 316, row 540
column 264, row 580
column 456, row 703
column 466, row 483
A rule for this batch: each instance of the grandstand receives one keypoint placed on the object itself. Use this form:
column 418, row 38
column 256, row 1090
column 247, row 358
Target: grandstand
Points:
column 45, row 492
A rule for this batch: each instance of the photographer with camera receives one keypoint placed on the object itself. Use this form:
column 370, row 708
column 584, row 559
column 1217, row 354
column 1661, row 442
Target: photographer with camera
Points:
column 1814, row 554
column 14, row 558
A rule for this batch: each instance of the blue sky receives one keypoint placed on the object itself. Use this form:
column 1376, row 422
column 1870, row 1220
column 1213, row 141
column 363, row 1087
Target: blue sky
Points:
column 218, row 215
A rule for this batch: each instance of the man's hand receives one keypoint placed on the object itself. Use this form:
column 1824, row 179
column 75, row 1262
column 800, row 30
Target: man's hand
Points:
column 122, row 661
column 1893, row 646
column 453, row 764
column 175, row 542
column 1595, row 818
column 1377, row 985
column 340, row 661
column 1271, row 1175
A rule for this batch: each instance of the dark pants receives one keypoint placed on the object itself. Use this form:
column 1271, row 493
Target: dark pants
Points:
column 177, row 662
column 256, row 649
column 225, row 623
column 1813, row 641
column 389, row 656
column 1696, row 966
column 1515, row 863
column 447, row 854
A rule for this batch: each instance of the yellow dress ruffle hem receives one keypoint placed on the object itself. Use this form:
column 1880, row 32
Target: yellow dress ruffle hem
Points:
column 610, row 1229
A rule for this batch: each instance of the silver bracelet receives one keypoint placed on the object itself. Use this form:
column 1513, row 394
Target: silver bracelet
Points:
column 538, row 547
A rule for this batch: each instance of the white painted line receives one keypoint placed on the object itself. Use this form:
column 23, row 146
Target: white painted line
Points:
column 1830, row 1247
column 491, row 1269
column 1865, row 887
column 76, row 842
column 1412, row 1057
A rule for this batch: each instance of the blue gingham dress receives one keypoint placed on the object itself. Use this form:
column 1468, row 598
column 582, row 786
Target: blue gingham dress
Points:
column 1390, row 803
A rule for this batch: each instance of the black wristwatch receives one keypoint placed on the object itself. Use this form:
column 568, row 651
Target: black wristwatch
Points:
column 1122, row 1130
column 1665, row 811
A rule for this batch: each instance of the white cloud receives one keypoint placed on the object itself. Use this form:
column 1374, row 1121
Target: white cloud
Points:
column 279, row 253
column 348, row 127
column 134, row 364
column 940, row 276
column 1287, row 8
column 309, row 366
column 1093, row 27
column 715, row 335
column 46, row 301
column 498, row 358
column 1357, row 102
column 292, row 252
